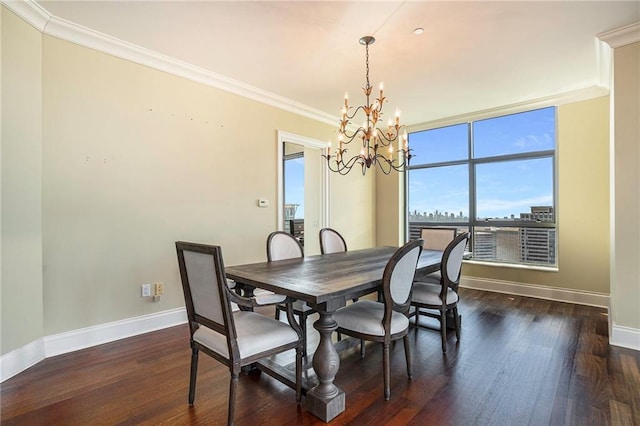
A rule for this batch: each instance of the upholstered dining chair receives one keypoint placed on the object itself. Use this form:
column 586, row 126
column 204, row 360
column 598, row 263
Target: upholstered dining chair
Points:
column 436, row 238
column 441, row 293
column 281, row 246
column 388, row 320
column 331, row 241
column 234, row 338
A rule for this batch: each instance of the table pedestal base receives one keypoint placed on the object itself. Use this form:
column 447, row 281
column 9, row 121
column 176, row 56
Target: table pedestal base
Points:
column 325, row 400
column 325, row 409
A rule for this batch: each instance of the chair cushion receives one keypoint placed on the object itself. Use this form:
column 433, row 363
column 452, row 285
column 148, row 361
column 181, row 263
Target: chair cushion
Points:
column 433, row 277
column 265, row 297
column 256, row 333
column 427, row 293
column 301, row 306
column 365, row 316
column 262, row 297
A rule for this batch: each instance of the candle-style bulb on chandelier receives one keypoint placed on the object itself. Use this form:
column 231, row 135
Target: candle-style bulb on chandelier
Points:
column 377, row 143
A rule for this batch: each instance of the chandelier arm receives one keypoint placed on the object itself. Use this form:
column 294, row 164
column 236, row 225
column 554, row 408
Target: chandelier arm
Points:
column 352, row 162
column 382, row 160
column 351, row 137
column 340, row 166
column 355, row 112
column 383, row 137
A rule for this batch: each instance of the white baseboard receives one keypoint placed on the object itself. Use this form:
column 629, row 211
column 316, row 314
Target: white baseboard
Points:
column 22, row 358
column 579, row 297
column 626, row 337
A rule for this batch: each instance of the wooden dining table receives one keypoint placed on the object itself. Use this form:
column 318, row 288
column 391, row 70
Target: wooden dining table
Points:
column 326, row 282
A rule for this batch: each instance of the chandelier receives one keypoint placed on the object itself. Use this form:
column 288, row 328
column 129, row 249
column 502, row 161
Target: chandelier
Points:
column 374, row 139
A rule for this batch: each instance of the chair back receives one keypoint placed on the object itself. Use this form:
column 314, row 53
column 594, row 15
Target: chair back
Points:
column 281, row 245
column 331, row 241
column 397, row 279
column 205, row 286
column 437, row 238
column 452, row 262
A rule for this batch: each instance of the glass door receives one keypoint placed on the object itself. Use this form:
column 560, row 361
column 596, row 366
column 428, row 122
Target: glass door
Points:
column 293, row 173
column 302, row 189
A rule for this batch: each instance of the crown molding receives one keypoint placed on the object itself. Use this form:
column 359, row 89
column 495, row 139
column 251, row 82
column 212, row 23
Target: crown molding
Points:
column 621, row 36
column 559, row 99
column 604, row 58
column 30, row 11
column 60, row 28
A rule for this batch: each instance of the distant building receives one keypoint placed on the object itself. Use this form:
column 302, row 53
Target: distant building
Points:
column 539, row 213
column 538, row 245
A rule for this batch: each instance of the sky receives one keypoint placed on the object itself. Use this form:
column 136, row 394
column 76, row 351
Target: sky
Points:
column 294, row 184
column 504, row 188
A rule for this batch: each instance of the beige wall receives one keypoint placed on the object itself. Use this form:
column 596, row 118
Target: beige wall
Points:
column 21, row 285
column 125, row 160
column 135, row 159
column 312, row 199
column 389, row 209
column 625, row 297
column 351, row 211
column 583, row 199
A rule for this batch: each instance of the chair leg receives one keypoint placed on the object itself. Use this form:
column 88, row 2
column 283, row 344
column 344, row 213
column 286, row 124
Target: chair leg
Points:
column 277, row 314
column 303, row 326
column 233, row 383
column 456, row 320
column 407, row 355
column 385, row 368
column 299, row 354
column 192, row 376
column 443, row 330
column 362, row 349
column 417, row 316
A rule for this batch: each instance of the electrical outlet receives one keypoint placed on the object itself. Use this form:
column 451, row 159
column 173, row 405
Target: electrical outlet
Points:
column 159, row 289
column 146, row 290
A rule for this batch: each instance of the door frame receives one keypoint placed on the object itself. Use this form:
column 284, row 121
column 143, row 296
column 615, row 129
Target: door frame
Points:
column 324, row 184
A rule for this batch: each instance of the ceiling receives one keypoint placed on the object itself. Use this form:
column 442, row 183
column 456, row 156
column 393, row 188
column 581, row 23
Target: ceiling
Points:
column 472, row 56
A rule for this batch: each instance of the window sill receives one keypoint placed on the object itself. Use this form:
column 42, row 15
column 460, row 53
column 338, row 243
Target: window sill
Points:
column 513, row 266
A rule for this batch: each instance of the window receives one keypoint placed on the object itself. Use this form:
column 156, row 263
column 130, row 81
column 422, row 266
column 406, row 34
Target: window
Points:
column 492, row 177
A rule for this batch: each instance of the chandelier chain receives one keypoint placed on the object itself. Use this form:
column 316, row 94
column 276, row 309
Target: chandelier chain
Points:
column 367, row 61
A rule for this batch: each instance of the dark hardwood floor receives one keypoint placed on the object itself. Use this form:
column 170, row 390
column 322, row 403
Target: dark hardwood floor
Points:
column 520, row 361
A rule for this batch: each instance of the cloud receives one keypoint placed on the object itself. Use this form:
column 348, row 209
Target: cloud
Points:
column 534, row 142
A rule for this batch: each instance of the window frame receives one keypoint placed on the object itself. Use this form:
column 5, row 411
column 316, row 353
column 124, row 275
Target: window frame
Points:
column 472, row 162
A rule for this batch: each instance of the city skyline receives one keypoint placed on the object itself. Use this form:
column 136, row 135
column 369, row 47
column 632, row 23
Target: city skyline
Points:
column 532, row 215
